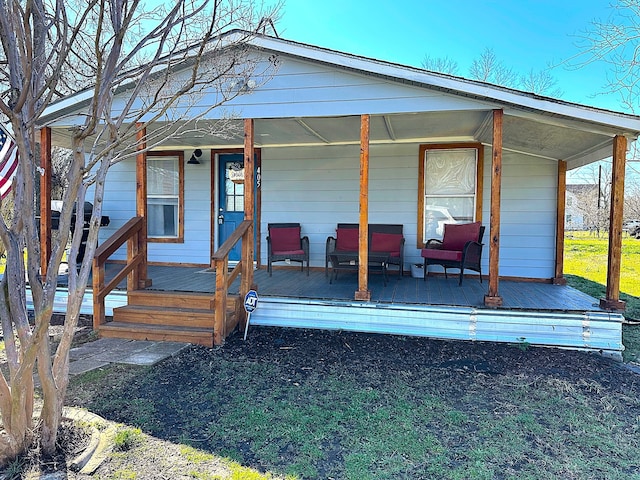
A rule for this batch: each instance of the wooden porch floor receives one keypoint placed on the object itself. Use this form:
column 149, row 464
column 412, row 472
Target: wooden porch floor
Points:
column 292, row 283
column 539, row 314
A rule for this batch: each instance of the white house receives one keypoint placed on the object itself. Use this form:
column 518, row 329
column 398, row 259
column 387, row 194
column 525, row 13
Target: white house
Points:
column 339, row 138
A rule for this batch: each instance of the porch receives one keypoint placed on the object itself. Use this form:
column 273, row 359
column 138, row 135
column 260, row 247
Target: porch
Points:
column 533, row 313
column 436, row 290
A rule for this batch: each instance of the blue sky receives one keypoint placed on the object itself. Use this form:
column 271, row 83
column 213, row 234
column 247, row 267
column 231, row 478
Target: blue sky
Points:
column 525, row 35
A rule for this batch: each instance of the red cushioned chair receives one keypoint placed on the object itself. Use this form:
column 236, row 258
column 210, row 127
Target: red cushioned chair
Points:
column 346, row 240
column 383, row 238
column 285, row 243
column 460, row 247
column 391, row 243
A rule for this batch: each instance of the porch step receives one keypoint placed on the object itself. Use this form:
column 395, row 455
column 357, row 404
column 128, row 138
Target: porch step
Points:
column 154, row 298
column 144, row 331
column 164, row 315
column 169, row 316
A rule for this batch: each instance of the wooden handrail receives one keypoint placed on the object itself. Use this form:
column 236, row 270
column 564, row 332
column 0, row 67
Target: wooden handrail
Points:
column 129, row 233
column 230, row 242
column 224, row 278
column 115, row 241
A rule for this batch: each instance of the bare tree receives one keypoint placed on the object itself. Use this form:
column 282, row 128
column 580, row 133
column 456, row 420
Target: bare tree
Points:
column 440, row 64
column 615, row 41
column 122, row 49
column 488, row 68
column 632, row 199
column 540, row 83
column 593, row 196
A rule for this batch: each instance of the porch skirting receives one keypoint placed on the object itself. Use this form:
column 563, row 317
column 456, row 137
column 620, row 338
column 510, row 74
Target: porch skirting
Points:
column 596, row 331
column 590, row 331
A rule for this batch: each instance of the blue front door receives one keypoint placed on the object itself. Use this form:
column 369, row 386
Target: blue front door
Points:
column 231, row 199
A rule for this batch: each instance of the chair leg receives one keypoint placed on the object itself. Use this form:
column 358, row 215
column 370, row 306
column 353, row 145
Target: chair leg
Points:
column 269, row 266
column 424, row 271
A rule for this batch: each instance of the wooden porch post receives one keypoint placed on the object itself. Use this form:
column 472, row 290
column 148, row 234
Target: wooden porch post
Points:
column 612, row 300
column 492, row 299
column 558, row 278
column 141, row 203
column 249, row 205
column 363, row 292
column 45, row 199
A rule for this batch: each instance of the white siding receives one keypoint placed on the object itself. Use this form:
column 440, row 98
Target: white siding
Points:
column 527, row 217
column 318, row 187
column 120, row 206
column 308, row 89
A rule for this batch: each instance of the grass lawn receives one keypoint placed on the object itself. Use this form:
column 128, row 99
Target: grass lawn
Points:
column 585, row 267
column 302, row 404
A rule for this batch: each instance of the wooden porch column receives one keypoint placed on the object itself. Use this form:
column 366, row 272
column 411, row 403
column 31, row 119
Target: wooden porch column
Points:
column 558, row 278
column 45, row 199
column 612, row 300
column 141, row 202
column 249, row 205
column 363, row 292
column 492, row 299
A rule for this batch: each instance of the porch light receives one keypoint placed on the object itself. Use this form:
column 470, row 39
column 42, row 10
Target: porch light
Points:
column 194, row 160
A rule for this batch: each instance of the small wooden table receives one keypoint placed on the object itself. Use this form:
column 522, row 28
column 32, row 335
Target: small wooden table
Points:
column 349, row 261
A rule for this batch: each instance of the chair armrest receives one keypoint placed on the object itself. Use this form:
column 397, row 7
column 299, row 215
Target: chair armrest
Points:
column 329, row 248
column 305, row 244
column 268, row 245
column 433, row 243
column 472, row 251
column 331, row 245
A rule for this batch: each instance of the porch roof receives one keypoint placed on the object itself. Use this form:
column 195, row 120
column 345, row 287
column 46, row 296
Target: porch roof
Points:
column 535, row 125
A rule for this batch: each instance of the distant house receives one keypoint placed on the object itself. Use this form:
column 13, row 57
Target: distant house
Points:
column 581, row 211
column 331, row 138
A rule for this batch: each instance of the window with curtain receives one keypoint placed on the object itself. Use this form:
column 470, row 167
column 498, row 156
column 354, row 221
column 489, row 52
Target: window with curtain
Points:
column 449, row 188
column 164, row 197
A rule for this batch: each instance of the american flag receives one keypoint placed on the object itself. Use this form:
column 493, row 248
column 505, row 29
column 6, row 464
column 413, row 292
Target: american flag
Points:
column 8, row 161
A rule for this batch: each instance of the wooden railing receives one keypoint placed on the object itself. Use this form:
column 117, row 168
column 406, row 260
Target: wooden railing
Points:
column 224, row 278
column 130, row 233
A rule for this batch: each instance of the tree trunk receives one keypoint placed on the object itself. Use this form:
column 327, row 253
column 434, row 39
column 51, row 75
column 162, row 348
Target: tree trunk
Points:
column 16, row 434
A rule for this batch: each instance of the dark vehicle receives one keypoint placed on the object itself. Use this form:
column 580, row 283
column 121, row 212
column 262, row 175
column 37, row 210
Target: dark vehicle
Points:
column 635, row 232
column 88, row 210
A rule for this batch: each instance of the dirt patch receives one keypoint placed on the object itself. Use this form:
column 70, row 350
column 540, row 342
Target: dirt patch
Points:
column 307, row 403
column 72, row 440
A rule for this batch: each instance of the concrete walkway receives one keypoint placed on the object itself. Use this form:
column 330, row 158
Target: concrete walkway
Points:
column 102, row 352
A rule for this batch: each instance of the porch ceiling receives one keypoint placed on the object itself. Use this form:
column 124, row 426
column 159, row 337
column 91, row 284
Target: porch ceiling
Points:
column 549, row 138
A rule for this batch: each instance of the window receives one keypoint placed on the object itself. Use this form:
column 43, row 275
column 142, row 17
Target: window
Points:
column 449, row 187
column 234, row 187
column 165, row 196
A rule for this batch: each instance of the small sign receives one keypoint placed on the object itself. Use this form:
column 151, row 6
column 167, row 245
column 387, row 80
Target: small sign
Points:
column 251, row 301
column 250, row 304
